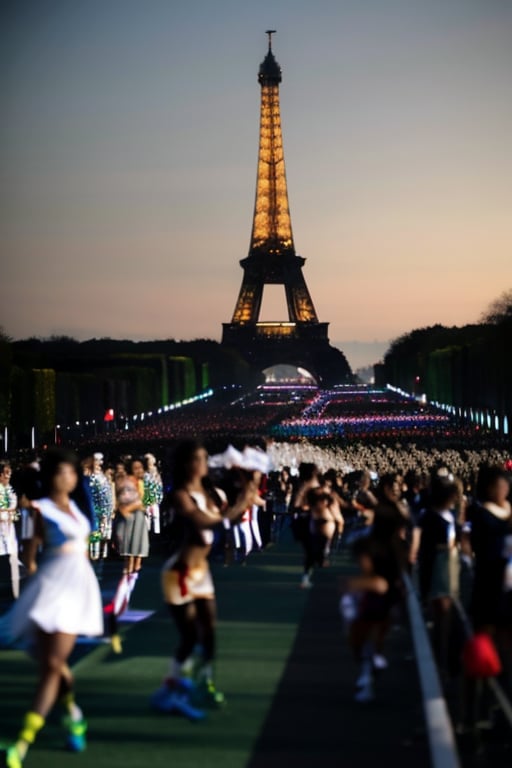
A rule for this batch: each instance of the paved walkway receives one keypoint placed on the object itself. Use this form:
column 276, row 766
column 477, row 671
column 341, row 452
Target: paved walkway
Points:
column 313, row 716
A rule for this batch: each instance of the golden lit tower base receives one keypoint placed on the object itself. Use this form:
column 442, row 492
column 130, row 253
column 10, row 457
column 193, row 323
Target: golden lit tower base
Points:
column 301, row 339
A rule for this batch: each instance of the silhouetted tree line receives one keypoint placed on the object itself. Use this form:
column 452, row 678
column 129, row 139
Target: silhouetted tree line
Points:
column 468, row 367
column 61, row 381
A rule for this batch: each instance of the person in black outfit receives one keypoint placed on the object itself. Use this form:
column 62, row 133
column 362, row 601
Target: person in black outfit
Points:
column 491, row 524
column 301, row 523
column 187, row 582
column 438, row 561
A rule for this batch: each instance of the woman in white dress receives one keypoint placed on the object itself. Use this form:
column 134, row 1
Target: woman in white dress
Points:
column 61, row 600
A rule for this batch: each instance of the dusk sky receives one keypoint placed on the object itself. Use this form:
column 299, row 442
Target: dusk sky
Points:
column 128, row 145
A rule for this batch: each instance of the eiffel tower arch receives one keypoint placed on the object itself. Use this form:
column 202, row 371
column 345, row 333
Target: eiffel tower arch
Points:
column 299, row 339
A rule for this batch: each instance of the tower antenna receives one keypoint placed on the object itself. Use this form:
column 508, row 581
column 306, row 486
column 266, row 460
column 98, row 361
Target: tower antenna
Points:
column 270, row 32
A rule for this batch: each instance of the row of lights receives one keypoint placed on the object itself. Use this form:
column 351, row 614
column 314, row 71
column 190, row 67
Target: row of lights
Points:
column 173, row 406
column 109, row 416
column 491, row 421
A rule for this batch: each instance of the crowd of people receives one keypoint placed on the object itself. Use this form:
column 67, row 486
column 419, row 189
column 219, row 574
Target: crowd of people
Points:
column 430, row 512
column 67, row 503
column 431, row 515
column 378, row 459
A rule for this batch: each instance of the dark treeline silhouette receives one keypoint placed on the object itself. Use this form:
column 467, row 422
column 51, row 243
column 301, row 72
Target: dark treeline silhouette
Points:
column 61, row 381
column 467, row 367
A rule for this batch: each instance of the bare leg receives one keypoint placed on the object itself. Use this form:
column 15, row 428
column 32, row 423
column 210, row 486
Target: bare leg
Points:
column 66, row 681
column 54, row 651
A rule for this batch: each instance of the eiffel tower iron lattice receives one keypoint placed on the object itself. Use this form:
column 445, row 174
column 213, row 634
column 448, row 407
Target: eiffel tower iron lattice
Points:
column 300, row 339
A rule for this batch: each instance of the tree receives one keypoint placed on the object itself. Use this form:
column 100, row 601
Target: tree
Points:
column 500, row 310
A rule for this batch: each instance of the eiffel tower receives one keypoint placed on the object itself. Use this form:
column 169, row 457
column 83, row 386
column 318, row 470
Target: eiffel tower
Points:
column 299, row 340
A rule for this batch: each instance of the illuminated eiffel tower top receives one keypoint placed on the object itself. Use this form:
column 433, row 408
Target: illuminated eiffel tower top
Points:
column 298, row 338
column 272, row 226
column 272, row 257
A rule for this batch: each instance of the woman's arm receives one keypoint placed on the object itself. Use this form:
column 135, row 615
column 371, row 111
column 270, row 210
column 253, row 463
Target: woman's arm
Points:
column 371, row 498
column 259, row 502
column 31, row 546
column 335, row 510
column 128, row 509
column 246, row 498
column 415, row 544
column 185, row 505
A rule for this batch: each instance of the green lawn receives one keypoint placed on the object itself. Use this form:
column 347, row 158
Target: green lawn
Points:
column 260, row 607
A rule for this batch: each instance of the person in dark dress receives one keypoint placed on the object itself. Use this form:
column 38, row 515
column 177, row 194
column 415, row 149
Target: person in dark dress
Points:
column 491, row 525
column 438, row 561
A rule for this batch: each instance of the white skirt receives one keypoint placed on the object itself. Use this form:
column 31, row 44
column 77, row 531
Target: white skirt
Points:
column 62, row 596
column 182, row 585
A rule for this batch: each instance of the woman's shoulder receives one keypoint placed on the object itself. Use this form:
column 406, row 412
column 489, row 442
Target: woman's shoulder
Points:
column 488, row 514
column 181, row 499
column 49, row 511
column 45, row 506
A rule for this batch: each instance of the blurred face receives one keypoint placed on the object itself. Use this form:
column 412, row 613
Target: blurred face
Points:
column 65, row 479
column 392, row 491
column 138, row 469
column 97, row 465
column 6, row 475
column 199, row 464
column 120, row 470
column 499, row 491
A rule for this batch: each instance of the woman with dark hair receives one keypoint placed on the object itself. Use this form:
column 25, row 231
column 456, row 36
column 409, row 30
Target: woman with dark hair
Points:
column 371, row 595
column 324, row 523
column 491, row 525
column 131, row 529
column 438, row 560
column 391, row 516
column 381, row 557
column 60, row 602
column 186, row 579
column 132, row 539
column 301, row 522
column 365, row 500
